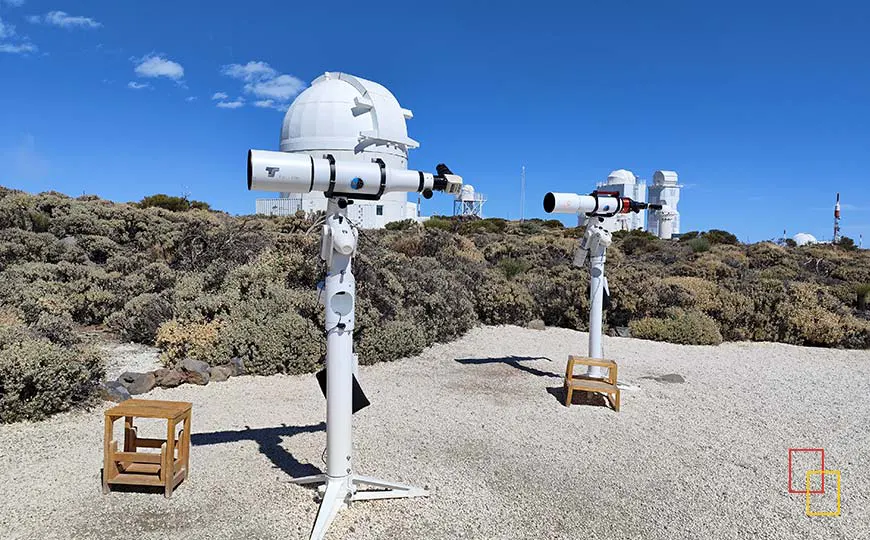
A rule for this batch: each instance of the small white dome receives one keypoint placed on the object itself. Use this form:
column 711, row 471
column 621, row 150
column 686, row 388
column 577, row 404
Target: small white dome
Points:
column 340, row 112
column 803, row 239
column 621, row 176
column 467, row 193
column 664, row 178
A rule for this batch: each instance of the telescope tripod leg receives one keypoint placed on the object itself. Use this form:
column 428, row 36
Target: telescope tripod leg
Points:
column 386, row 490
column 334, row 498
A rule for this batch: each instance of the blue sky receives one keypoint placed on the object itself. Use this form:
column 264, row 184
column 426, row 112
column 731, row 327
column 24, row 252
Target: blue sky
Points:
column 763, row 107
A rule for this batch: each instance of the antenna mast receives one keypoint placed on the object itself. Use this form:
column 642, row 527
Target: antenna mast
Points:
column 837, row 221
column 523, row 194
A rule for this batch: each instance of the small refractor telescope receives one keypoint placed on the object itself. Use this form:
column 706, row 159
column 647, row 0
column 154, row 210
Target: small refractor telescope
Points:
column 301, row 173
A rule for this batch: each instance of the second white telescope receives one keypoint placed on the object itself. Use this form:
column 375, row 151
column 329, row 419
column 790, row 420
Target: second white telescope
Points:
column 602, row 204
column 301, row 173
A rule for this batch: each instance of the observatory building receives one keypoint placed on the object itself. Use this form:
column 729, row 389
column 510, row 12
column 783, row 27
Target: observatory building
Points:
column 469, row 202
column 664, row 190
column 351, row 119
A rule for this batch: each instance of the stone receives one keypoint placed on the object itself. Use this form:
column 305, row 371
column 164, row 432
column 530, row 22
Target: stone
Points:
column 220, row 373
column 168, row 378
column 195, row 371
column 536, row 324
column 113, row 391
column 622, row 331
column 238, row 366
column 68, row 241
column 137, row 383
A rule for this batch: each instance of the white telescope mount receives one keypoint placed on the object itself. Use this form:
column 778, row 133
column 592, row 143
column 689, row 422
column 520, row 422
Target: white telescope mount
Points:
column 594, row 246
column 342, row 182
column 596, row 206
column 341, row 484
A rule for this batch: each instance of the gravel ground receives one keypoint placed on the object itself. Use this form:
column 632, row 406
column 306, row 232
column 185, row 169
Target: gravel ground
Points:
column 478, row 422
column 123, row 357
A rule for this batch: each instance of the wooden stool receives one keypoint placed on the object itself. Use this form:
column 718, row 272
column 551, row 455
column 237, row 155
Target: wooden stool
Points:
column 131, row 467
column 591, row 384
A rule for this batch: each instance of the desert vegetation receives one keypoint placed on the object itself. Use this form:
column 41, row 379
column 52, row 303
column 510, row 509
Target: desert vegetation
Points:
column 207, row 286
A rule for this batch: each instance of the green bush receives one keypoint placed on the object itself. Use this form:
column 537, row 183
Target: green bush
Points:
column 400, row 225
column 679, row 326
column 699, row 245
column 56, row 328
column 40, row 378
column 504, row 302
column 141, row 317
column 173, row 204
column 513, row 267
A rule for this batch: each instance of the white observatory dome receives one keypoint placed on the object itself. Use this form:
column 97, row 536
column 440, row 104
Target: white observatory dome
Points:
column 621, row 176
column 467, row 193
column 803, row 239
column 664, row 177
column 346, row 115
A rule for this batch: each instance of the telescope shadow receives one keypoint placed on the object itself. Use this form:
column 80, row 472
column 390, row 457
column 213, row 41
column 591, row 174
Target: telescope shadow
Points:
column 512, row 361
column 269, row 441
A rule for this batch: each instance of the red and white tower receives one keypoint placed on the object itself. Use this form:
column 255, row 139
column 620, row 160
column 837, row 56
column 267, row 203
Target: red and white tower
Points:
column 837, row 220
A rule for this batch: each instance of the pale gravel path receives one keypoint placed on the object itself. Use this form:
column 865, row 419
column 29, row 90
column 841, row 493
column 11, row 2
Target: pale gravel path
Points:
column 504, row 460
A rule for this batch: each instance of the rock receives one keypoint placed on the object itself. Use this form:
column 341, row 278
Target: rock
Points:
column 622, row 331
column 221, row 373
column 68, row 241
column 113, row 391
column 536, row 324
column 238, row 366
column 195, row 371
column 168, row 378
column 137, row 383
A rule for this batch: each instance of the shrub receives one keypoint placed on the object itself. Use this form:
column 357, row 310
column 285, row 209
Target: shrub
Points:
column 679, row 326
column 716, row 236
column 500, row 301
column 389, row 341
column 40, row 378
column 141, row 317
column 56, row 328
column 553, row 224
column 400, row 225
column 200, row 341
column 847, row 243
column 637, row 241
column 862, row 293
column 173, row 204
column 513, row 267
column 436, row 222
column 699, row 245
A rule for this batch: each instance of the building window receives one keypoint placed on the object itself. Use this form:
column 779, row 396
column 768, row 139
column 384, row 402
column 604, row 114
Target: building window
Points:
column 379, row 210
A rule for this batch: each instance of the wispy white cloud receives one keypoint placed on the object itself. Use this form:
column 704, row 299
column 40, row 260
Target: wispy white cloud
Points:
column 282, row 87
column 155, row 65
column 13, row 3
column 190, row 98
column 137, row 86
column 252, row 71
column 20, row 48
column 239, row 102
column 6, row 30
column 220, row 95
column 64, row 20
column 271, row 104
column 274, row 89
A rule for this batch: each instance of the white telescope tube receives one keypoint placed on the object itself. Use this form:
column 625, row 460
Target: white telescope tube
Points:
column 572, row 203
column 300, row 173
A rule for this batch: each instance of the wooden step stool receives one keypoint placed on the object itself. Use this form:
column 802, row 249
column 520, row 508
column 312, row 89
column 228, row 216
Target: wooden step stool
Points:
column 131, row 467
column 591, row 384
